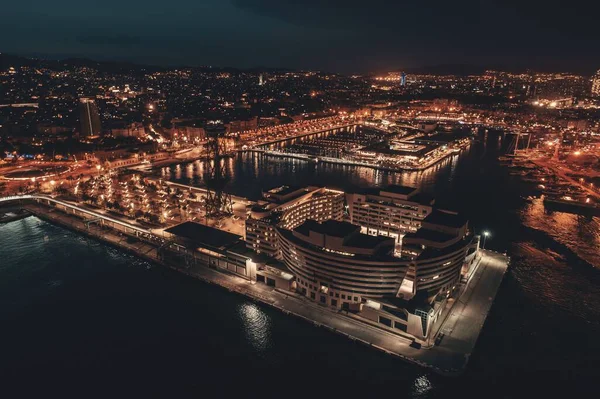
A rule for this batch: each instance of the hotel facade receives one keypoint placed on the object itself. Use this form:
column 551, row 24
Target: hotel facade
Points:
column 387, row 255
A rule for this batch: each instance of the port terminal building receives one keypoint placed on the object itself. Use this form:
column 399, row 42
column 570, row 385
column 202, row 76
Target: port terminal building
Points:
column 387, row 256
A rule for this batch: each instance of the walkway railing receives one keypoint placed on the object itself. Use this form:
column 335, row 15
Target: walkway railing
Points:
column 41, row 197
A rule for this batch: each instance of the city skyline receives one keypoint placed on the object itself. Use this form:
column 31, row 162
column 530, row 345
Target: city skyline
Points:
column 458, row 69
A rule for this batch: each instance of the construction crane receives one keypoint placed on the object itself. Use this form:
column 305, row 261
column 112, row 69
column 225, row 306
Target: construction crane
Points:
column 216, row 176
column 557, row 147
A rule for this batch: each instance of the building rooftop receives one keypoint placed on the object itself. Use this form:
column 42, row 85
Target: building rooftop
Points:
column 430, row 235
column 284, row 194
column 405, row 193
column 240, row 248
column 396, row 189
column 365, row 241
column 283, row 190
column 423, row 199
column 446, row 218
column 350, row 233
column 421, row 301
column 330, row 227
column 431, row 252
column 205, row 236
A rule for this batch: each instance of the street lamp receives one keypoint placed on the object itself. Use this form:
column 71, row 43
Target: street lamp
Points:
column 98, row 167
column 486, row 234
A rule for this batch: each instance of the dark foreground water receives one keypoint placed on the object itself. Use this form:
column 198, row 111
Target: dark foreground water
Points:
column 78, row 318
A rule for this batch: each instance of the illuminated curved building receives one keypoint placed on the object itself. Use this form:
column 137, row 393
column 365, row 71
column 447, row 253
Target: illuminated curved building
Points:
column 438, row 250
column 396, row 264
column 333, row 258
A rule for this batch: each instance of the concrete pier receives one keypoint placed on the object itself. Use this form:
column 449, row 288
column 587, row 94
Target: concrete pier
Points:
column 461, row 322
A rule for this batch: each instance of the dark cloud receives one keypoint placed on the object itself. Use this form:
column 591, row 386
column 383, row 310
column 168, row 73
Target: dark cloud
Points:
column 471, row 21
column 380, row 15
column 454, row 16
column 508, row 32
column 110, row 40
column 342, row 35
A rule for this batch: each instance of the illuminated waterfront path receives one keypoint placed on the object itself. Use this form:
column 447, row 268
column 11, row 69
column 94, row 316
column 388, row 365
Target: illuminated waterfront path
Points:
column 306, row 133
column 350, row 162
column 461, row 323
column 264, row 148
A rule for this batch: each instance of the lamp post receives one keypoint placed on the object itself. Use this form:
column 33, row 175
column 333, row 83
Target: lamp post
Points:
column 486, row 234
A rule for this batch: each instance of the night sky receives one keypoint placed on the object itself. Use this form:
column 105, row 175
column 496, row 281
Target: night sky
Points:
column 333, row 35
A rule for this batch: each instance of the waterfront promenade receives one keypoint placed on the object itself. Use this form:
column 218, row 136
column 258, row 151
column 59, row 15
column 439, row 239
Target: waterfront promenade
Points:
column 461, row 326
column 306, row 133
column 350, row 162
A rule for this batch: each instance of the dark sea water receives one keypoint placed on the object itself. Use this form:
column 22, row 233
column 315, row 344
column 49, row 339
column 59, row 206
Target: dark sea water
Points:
column 79, row 318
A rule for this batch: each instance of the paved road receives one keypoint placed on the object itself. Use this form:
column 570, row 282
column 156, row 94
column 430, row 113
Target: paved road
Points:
column 463, row 325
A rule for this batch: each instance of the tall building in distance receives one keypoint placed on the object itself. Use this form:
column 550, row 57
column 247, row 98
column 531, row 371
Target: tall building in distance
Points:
column 596, row 84
column 89, row 117
column 403, row 79
column 261, row 80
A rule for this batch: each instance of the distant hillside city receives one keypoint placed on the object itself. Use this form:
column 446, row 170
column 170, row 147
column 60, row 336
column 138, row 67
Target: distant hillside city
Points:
column 76, row 106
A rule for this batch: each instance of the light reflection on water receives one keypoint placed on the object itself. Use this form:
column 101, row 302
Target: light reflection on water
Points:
column 189, row 171
column 580, row 234
column 250, row 173
column 422, row 386
column 257, row 326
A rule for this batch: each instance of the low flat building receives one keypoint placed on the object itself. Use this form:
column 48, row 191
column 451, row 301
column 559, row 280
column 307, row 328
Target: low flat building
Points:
column 193, row 243
column 197, row 243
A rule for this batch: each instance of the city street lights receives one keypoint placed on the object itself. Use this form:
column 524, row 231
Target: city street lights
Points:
column 98, row 167
column 486, row 234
